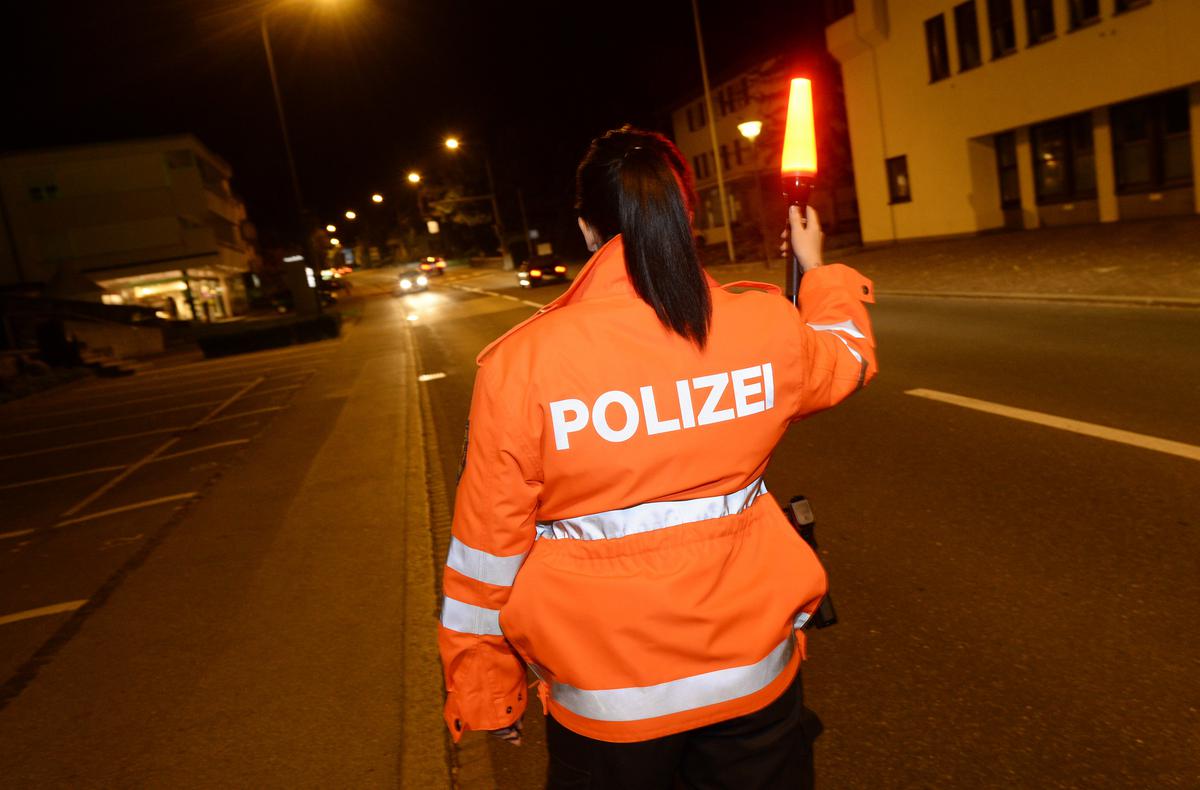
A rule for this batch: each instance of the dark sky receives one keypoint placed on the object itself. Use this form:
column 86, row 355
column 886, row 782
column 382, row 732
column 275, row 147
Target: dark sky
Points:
column 370, row 87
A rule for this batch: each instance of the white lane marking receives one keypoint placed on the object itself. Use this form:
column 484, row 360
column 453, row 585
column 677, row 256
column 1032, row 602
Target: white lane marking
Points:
column 91, row 442
column 1063, row 423
column 431, row 376
column 162, row 500
column 99, row 469
column 216, row 366
column 16, row 534
column 250, row 413
column 43, row 611
column 162, row 448
column 538, row 305
column 177, row 384
column 67, row 476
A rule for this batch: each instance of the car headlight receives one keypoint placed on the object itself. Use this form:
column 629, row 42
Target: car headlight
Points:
column 422, row 280
column 524, row 282
column 406, row 283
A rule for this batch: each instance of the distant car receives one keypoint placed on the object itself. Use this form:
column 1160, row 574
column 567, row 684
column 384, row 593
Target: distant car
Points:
column 432, row 265
column 541, row 269
column 411, row 280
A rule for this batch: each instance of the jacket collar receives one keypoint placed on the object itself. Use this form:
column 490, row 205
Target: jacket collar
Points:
column 604, row 275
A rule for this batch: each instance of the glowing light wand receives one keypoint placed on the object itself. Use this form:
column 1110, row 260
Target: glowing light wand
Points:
column 798, row 167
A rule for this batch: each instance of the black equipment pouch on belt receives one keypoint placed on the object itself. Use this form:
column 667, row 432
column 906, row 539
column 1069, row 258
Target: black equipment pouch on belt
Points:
column 799, row 514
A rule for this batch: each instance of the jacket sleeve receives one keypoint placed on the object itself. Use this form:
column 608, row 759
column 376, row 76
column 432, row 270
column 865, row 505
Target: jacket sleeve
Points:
column 836, row 344
column 492, row 531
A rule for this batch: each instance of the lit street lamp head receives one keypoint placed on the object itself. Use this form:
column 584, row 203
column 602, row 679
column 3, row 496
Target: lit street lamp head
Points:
column 452, row 143
column 377, row 198
column 351, row 215
column 335, row 242
column 750, row 129
column 414, row 178
column 330, row 228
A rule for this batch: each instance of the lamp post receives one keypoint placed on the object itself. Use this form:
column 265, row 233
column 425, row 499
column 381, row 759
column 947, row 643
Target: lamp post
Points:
column 751, row 130
column 305, row 298
column 454, row 144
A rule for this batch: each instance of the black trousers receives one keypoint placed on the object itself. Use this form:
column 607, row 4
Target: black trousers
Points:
column 768, row 749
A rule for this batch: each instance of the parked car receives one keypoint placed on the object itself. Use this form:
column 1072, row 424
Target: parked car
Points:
column 541, row 269
column 433, row 265
column 410, row 280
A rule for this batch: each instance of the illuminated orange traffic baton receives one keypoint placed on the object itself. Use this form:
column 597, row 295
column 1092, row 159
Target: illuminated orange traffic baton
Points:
column 798, row 167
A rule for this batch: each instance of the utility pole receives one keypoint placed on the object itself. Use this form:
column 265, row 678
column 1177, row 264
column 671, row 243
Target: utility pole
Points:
column 712, row 131
column 498, row 224
column 525, row 224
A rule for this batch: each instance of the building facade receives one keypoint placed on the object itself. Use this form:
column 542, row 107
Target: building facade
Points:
column 750, row 167
column 150, row 222
column 983, row 114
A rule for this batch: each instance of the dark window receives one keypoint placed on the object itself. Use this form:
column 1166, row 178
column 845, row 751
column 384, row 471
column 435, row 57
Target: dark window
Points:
column 1006, row 167
column 899, row 190
column 1039, row 14
column 1083, row 12
column 1126, row 5
column 724, row 105
column 966, row 29
column 691, row 120
column 1001, row 30
column 745, row 91
column 737, row 149
column 836, row 9
column 701, row 116
column 1064, row 161
column 935, row 45
column 1151, row 142
column 724, row 157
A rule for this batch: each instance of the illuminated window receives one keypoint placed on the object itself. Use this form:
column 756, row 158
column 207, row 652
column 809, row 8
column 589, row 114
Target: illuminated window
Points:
column 1006, row 168
column 1064, row 161
column 1039, row 14
column 1083, row 12
column 935, row 47
column 966, row 30
column 1001, row 30
column 899, row 190
column 1151, row 142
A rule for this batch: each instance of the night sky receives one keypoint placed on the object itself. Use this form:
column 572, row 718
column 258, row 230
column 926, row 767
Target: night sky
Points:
column 371, row 87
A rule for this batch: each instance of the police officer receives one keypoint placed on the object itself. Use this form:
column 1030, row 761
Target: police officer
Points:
column 612, row 530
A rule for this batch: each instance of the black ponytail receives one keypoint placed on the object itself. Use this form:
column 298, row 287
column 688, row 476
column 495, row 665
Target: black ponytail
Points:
column 636, row 183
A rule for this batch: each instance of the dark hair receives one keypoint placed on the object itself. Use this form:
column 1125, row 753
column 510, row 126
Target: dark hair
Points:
column 636, row 183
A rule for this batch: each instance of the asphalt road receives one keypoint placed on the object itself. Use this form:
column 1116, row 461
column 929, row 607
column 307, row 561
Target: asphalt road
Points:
column 237, row 607
column 1017, row 601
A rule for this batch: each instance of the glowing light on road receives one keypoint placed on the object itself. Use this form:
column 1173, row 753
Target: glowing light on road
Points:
column 377, row 198
column 335, row 242
column 414, row 177
column 351, row 215
column 330, row 228
column 452, row 143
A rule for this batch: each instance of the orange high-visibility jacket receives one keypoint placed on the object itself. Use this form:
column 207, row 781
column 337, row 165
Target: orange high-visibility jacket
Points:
column 611, row 530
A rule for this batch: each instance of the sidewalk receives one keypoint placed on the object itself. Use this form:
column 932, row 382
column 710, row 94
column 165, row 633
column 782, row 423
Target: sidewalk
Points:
column 1139, row 262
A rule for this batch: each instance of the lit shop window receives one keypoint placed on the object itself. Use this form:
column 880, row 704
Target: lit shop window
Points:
column 1064, row 160
column 899, row 190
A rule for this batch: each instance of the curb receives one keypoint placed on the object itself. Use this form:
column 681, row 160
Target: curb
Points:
column 1120, row 301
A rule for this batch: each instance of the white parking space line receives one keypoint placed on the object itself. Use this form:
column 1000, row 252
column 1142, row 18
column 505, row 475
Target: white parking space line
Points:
column 16, row 534
column 43, row 611
column 251, row 413
column 215, row 365
column 99, row 469
column 431, row 376
column 1155, row 443
column 162, row 500
column 131, row 387
column 56, row 478
column 510, row 297
column 162, row 448
column 91, row 443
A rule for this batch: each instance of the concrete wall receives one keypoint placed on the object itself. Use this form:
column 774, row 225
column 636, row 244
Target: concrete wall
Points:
column 944, row 128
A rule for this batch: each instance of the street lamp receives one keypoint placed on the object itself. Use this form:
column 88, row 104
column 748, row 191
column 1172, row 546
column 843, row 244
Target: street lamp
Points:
column 377, row 198
column 454, row 144
column 351, row 215
column 335, row 242
column 751, row 130
column 330, row 229
column 414, row 177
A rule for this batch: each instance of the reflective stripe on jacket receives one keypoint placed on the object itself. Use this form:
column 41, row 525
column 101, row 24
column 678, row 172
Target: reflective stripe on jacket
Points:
column 612, row 531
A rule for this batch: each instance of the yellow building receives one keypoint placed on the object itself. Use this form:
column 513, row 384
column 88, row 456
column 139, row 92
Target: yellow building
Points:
column 968, row 116
column 151, row 222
